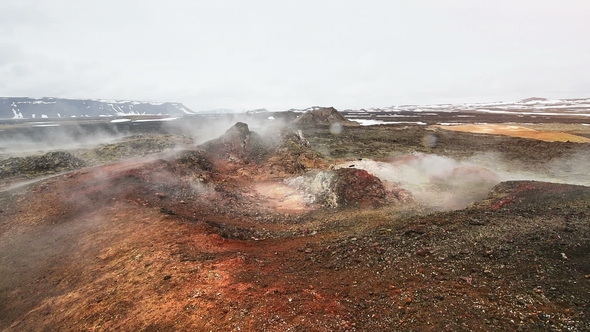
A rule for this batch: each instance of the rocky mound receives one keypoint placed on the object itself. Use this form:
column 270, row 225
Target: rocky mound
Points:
column 49, row 163
column 293, row 156
column 237, row 145
column 323, row 116
column 132, row 147
column 346, row 187
column 285, row 154
column 358, row 187
column 194, row 159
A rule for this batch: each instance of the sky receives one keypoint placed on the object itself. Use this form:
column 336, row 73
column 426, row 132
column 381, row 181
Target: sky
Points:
column 278, row 55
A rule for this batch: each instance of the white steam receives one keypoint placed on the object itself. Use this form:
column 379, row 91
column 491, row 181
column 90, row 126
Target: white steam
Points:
column 435, row 181
column 210, row 129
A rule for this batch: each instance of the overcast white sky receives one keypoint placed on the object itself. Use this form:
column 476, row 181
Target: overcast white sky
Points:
column 294, row 54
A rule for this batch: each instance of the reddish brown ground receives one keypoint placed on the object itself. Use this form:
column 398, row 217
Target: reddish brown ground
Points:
column 146, row 246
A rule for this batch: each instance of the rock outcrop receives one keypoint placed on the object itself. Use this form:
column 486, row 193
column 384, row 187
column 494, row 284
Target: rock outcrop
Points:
column 49, row 163
column 293, row 156
column 346, row 187
column 238, row 145
column 323, row 116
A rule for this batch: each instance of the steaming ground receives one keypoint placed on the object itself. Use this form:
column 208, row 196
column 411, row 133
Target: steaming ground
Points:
column 437, row 182
column 163, row 241
column 23, row 139
column 444, row 178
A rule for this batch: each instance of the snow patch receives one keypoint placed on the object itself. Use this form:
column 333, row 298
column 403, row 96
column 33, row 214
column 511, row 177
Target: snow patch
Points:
column 17, row 114
column 364, row 122
column 533, row 113
column 156, row 120
column 47, row 125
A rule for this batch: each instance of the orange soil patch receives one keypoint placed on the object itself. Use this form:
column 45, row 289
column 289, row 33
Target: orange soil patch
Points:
column 517, row 131
column 281, row 197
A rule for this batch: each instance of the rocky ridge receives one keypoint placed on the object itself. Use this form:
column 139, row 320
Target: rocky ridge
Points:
column 39, row 108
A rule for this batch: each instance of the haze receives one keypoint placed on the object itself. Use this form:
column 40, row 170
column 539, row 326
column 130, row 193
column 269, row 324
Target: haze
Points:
column 279, row 55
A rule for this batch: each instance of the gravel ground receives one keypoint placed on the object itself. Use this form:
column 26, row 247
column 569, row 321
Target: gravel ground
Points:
column 181, row 241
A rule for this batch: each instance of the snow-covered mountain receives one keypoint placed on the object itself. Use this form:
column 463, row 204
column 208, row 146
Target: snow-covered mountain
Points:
column 526, row 106
column 31, row 108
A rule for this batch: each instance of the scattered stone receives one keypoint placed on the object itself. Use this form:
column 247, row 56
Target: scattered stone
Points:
column 477, row 222
column 167, row 211
column 423, row 252
column 194, row 159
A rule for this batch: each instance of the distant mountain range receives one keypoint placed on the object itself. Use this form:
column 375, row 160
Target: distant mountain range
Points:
column 37, row 108
column 33, row 108
column 574, row 107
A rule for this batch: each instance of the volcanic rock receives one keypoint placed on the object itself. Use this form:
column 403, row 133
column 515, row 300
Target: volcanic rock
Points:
column 358, row 187
column 282, row 155
column 530, row 195
column 49, row 163
column 293, row 156
column 323, row 116
column 346, row 187
column 132, row 147
column 194, row 159
column 238, row 145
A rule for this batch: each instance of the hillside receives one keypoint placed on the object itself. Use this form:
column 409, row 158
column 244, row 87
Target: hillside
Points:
column 33, row 108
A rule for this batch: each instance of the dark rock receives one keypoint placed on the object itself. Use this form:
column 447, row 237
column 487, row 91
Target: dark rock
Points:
column 238, row 145
column 358, row 187
column 194, row 159
column 323, row 116
column 49, row 163
column 167, row 211
column 342, row 187
column 293, row 156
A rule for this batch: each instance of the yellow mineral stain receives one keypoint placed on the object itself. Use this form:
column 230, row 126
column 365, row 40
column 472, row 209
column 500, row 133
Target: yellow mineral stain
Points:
column 517, row 131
